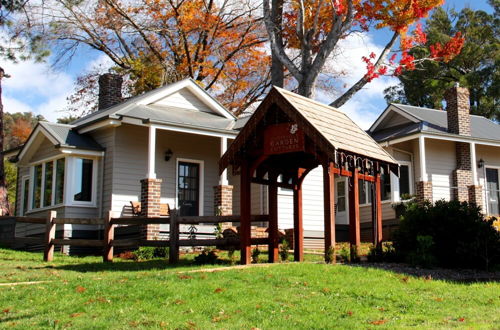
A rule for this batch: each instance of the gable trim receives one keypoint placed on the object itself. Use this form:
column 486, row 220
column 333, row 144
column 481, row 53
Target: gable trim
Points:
column 193, row 87
column 387, row 111
column 39, row 129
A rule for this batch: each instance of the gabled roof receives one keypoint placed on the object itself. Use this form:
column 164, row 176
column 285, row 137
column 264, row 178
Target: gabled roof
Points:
column 62, row 136
column 334, row 129
column 425, row 120
column 135, row 107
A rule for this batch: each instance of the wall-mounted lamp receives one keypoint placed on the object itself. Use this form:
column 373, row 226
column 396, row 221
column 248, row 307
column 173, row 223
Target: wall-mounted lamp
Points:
column 480, row 164
column 168, row 154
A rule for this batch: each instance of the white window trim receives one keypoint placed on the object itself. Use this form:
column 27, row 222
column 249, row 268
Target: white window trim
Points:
column 69, row 185
column 25, row 208
column 201, row 185
column 410, row 174
column 486, row 191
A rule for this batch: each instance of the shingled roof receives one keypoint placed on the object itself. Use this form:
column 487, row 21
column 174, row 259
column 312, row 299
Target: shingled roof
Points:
column 336, row 131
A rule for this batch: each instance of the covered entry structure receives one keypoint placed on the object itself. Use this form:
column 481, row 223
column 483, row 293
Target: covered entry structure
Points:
column 285, row 138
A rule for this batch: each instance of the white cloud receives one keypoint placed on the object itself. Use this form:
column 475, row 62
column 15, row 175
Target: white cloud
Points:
column 36, row 87
column 347, row 67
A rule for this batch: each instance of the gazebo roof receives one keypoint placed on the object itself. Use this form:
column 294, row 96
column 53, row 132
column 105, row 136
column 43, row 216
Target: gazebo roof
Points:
column 333, row 129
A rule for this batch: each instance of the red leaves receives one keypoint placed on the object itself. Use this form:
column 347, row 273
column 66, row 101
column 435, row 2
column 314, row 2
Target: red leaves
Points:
column 449, row 50
column 378, row 322
column 80, row 289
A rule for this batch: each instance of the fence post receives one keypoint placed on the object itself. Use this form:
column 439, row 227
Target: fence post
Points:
column 109, row 236
column 50, row 235
column 173, row 257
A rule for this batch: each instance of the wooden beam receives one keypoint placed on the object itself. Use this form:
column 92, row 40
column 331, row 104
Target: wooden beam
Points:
column 109, row 236
column 245, row 212
column 329, row 206
column 354, row 219
column 78, row 242
column 298, row 226
column 173, row 253
column 50, row 235
column 273, row 223
column 268, row 183
column 378, row 201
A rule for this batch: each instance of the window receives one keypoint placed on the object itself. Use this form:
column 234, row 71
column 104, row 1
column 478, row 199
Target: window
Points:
column 493, row 190
column 59, row 187
column 404, row 180
column 47, row 184
column 26, row 195
column 385, row 183
column 365, row 192
column 37, row 186
column 82, row 190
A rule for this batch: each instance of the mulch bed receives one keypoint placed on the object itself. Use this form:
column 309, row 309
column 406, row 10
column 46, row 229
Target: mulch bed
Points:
column 454, row 275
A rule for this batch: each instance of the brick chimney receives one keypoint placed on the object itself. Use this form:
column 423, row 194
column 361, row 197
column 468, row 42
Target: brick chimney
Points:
column 110, row 90
column 458, row 110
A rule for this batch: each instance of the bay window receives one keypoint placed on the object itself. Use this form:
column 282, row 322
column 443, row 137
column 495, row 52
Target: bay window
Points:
column 62, row 181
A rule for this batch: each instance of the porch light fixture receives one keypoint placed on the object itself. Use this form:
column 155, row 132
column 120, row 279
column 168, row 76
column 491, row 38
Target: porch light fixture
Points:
column 480, row 164
column 168, row 154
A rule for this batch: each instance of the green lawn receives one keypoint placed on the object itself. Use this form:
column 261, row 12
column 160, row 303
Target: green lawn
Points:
column 85, row 293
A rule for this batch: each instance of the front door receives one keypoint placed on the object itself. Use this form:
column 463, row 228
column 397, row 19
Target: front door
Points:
column 188, row 188
column 341, row 200
column 493, row 190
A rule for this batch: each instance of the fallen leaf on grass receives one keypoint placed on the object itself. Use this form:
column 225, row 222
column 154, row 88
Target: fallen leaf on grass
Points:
column 6, row 311
column 462, row 319
column 325, row 290
column 80, row 289
column 179, row 302
column 76, row 314
column 405, row 279
column 378, row 322
column 438, row 299
column 349, row 313
column 191, row 324
column 218, row 290
column 258, row 306
column 185, row 277
column 381, row 309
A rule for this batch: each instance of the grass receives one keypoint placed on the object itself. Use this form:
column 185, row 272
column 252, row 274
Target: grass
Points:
column 85, row 293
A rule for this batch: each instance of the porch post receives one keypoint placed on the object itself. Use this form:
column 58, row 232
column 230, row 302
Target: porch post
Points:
column 151, row 191
column 424, row 186
column 354, row 221
column 475, row 191
column 223, row 193
column 298, row 226
column 273, row 221
column 377, row 229
column 245, row 209
column 329, row 207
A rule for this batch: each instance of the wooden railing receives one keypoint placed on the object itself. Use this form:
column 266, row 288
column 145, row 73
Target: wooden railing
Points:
column 108, row 243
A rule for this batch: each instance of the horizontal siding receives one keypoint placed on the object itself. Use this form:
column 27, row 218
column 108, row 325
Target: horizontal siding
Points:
column 184, row 99
column 130, row 164
column 45, row 150
column 440, row 163
column 106, row 138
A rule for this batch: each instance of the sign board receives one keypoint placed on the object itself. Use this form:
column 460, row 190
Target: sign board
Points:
column 283, row 138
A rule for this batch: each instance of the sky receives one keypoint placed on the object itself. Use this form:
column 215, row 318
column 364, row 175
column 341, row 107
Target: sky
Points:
column 41, row 89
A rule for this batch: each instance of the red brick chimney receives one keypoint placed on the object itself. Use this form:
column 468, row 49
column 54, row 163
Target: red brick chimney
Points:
column 110, row 90
column 458, row 110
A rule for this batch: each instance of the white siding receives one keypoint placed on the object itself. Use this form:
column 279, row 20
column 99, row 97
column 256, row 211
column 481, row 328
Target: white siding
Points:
column 440, row 163
column 45, row 150
column 130, row 164
column 106, row 138
column 184, row 99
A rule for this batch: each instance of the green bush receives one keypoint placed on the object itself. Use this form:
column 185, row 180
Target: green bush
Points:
column 149, row 252
column 284, row 247
column 207, row 256
column 255, row 255
column 447, row 234
column 384, row 252
column 330, row 255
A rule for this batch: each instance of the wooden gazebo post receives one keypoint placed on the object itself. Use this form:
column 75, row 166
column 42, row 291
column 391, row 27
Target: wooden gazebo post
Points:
column 329, row 206
column 298, row 225
column 354, row 219
column 245, row 215
column 273, row 220
column 377, row 228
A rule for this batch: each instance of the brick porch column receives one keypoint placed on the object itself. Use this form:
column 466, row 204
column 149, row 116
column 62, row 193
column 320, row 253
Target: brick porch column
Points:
column 424, row 191
column 150, row 207
column 223, row 200
column 462, row 176
column 476, row 196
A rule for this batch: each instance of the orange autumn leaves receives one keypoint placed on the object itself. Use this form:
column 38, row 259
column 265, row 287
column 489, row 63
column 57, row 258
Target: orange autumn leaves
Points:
column 221, row 48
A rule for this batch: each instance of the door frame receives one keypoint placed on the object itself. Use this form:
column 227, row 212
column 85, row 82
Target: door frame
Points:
column 201, row 185
column 486, row 191
column 346, row 191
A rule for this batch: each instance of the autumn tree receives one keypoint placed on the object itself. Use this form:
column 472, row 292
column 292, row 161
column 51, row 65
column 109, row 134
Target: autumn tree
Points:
column 476, row 67
column 307, row 33
column 219, row 44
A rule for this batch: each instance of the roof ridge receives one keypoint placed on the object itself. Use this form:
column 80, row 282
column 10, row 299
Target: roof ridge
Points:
column 307, row 99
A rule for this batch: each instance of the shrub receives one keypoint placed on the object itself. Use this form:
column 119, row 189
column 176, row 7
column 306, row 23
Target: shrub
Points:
column 284, row 247
column 330, row 255
column 449, row 234
column 255, row 255
column 207, row 256
column 230, row 254
column 384, row 252
column 149, row 252
column 345, row 254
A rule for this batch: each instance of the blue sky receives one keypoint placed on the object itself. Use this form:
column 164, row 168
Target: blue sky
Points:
column 43, row 90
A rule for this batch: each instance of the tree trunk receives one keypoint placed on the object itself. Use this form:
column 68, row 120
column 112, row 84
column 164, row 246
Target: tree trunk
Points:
column 277, row 68
column 4, row 200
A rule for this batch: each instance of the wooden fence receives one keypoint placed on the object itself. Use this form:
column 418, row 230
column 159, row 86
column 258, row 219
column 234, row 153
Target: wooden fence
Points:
column 108, row 243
